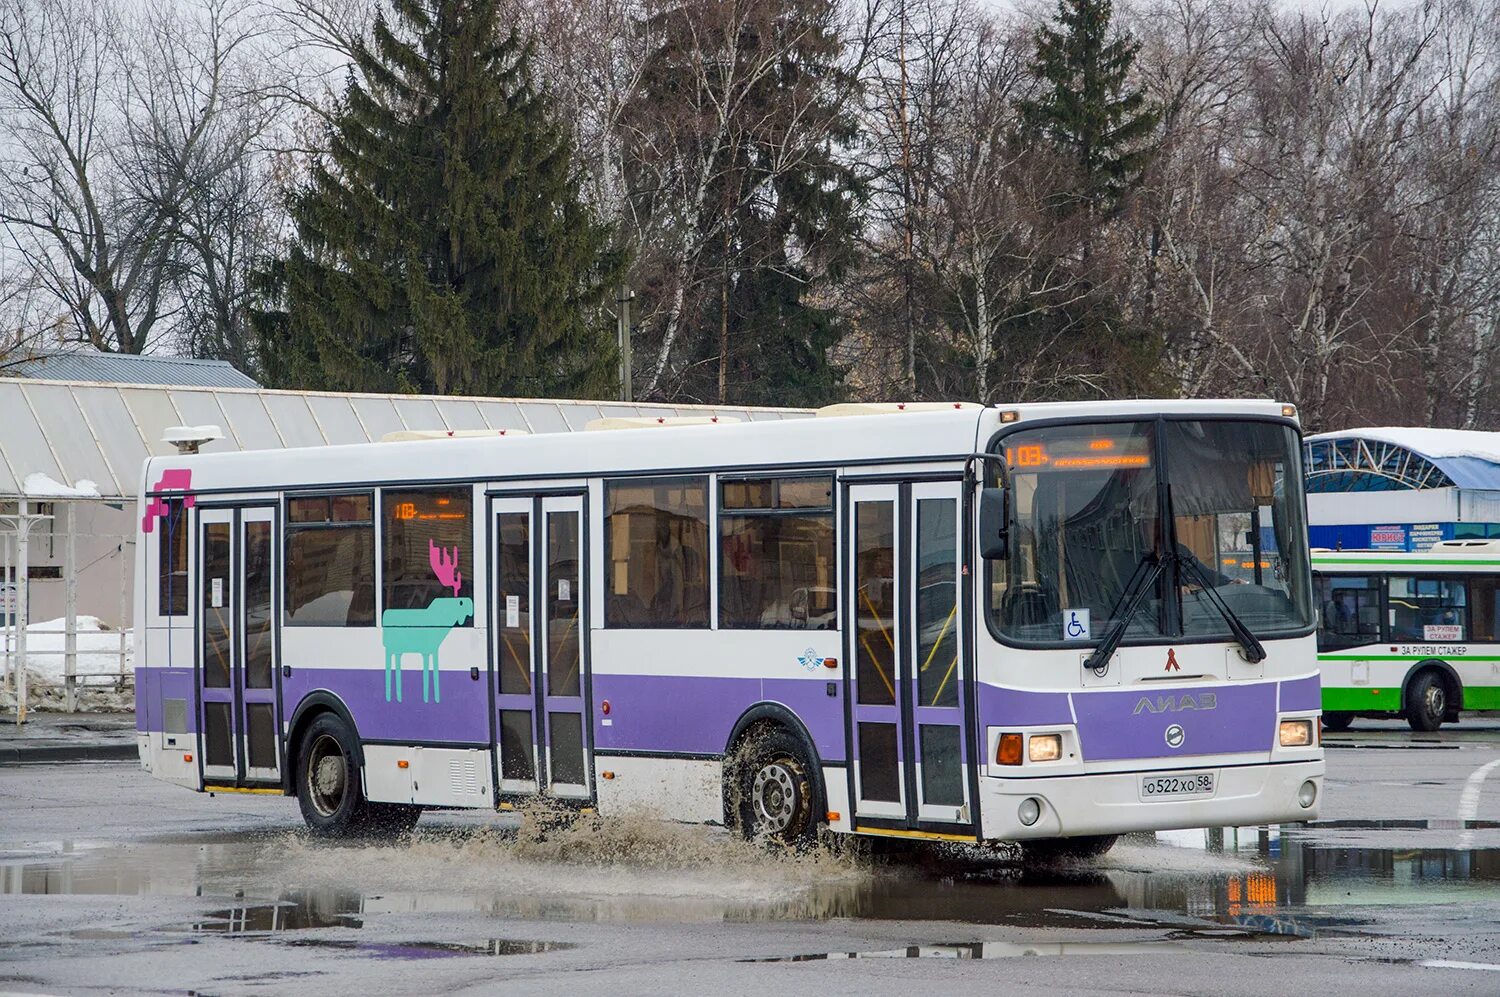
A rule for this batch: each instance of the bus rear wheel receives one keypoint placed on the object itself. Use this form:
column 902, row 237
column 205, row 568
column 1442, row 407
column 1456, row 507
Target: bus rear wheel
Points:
column 1427, row 701
column 1048, row 851
column 1337, row 721
column 329, row 792
column 772, row 791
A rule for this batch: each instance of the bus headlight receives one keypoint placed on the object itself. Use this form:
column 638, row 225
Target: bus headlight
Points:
column 1044, row 747
column 1308, row 794
column 1296, row 733
column 1030, row 811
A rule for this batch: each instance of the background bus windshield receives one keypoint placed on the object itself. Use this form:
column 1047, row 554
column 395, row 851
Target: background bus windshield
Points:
column 1094, row 506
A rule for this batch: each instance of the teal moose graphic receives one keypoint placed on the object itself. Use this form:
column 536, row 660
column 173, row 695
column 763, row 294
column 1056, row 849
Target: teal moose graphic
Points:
column 422, row 631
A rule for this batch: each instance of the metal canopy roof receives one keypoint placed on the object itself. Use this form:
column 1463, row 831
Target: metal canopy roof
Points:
column 77, row 430
column 127, row 368
column 1402, row 458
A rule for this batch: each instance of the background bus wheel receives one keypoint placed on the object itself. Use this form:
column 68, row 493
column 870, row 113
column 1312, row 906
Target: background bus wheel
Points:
column 1426, row 701
column 1045, row 851
column 1337, row 721
column 328, row 784
column 774, row 788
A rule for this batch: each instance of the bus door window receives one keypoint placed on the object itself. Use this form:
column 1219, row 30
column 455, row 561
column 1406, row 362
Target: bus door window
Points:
column 1427, row 609
column 1484, row 607
column 1350, row 610
column 514, row 648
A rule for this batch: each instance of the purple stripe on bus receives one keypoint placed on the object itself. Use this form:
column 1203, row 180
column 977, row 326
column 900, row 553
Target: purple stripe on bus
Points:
column 153, row 686
column 1001, row 707
column 1302, row 694
column 462, row 717
column 1220, row 719
column 696, row 715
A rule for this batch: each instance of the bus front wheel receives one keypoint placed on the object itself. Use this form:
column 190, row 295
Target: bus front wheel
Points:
column 773, row 794
column 1427, row 701
column 1049, row 851
column 1337, row 721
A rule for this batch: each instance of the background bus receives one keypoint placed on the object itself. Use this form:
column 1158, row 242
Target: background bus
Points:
column 782, row 626
column 1409, row 634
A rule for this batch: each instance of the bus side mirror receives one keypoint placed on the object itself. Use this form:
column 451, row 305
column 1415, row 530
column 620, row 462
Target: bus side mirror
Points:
column 993, row 535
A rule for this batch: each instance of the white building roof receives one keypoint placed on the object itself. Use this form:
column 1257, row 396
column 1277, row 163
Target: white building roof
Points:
column 1438, row 443
column 72, row 431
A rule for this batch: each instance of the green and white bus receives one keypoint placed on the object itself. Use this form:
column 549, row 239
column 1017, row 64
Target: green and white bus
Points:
column 1409, row 634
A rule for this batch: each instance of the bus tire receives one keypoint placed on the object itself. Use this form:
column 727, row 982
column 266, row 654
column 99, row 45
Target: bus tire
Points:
column 1426, row 701
column 1049, row 851
column 1337, row 721
column 328, row 783
column 773, row 793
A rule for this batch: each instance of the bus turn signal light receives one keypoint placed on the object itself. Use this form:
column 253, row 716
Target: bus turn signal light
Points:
column 1296, row 733
column 1044, row 747
column 403, row 764
column 1009, row 752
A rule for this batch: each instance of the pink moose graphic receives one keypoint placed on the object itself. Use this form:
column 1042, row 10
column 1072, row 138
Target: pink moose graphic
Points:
column 173, row 479
column 422, row 631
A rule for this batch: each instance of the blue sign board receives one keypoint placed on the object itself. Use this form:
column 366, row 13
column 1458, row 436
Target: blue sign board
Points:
column 1384, row 536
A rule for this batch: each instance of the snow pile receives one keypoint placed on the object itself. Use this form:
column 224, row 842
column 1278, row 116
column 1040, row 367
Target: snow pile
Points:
column 98, row 666
column 39, row 485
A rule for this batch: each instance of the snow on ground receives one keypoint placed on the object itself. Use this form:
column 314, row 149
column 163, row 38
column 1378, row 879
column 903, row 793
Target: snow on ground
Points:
column 98, row 666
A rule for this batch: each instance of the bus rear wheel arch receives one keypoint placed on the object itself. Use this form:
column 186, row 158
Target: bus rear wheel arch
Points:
column 771, row 786
column 1432, row 695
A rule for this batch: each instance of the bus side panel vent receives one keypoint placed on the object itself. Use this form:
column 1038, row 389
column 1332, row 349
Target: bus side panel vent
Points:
column 463, row 777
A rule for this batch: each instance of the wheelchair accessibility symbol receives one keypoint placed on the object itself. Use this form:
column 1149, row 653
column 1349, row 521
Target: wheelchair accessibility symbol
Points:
column 1076, row 624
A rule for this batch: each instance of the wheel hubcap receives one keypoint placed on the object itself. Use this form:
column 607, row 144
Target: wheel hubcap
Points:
column 775, row 797
column 327, row 776
column 1436, row 700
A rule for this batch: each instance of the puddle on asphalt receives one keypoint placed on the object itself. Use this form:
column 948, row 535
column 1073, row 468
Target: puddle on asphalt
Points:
column 1222, row 882
column 986, row 950
column 433, row 950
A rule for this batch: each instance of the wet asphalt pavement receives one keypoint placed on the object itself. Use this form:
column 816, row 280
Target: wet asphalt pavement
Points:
column 113, row 882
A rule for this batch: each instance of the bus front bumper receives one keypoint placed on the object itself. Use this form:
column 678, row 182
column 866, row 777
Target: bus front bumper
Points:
column 1116, row 802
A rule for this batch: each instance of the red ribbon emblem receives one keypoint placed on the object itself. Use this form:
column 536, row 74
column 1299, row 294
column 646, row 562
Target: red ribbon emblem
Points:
column 1172, row 665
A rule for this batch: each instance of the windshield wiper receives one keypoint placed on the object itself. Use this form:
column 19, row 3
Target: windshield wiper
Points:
column 1146, row 574
column 1254, row 651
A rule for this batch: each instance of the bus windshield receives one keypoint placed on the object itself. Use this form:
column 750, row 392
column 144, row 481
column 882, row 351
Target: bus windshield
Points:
column 1217, row 504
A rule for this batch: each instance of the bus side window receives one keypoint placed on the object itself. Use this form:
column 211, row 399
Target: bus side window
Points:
column 1349, row 610
column 330, row 561
column 656, row 553
column 776, row 559
column 172, row 560
column 426, row 548
column 1427, row 609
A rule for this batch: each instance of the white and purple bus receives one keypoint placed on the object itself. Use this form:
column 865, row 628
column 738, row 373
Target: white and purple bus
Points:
column 1048, row 623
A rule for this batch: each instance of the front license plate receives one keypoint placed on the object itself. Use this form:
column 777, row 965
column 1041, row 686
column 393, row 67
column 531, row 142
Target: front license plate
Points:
column 1177, row 785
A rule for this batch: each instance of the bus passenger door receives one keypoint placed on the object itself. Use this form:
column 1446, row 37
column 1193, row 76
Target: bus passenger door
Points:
column 238, row 737
column 875, row 655
column 540, row 655
column 939, row 755
column 910, row 758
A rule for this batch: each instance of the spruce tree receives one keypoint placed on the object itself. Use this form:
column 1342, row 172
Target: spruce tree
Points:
column 442, row 241
column 1086, row 108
